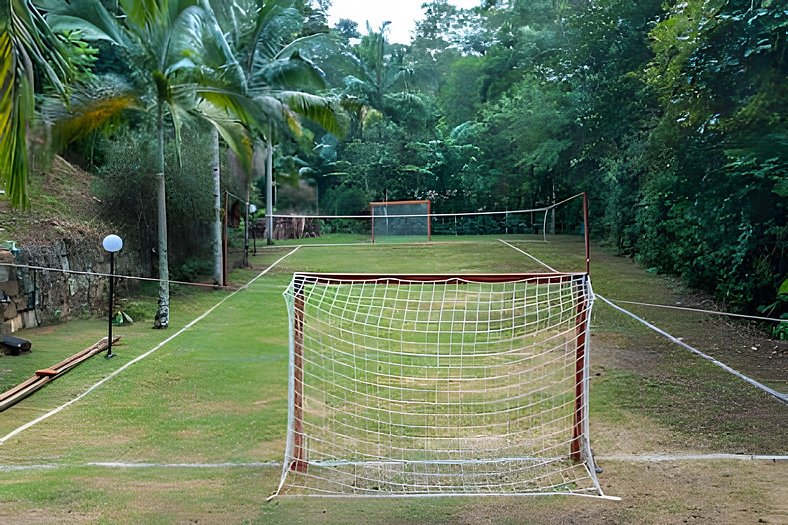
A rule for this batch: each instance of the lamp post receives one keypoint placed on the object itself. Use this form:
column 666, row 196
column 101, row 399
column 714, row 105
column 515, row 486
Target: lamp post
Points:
column 252, row 211
column 113, row 244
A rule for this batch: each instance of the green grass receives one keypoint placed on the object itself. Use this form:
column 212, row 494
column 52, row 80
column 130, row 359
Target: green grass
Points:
column 217, row 393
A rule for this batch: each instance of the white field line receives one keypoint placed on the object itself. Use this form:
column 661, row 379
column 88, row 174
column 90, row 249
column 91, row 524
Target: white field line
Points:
column 623, row 458
column 141, row 357
column 529, row 255
column 122, row 465
column 780, row 396
column 659, row 458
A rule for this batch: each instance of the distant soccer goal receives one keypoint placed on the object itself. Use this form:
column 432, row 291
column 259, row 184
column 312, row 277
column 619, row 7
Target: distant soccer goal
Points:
column 418, row 221
column 401, row 219
column 438, row 385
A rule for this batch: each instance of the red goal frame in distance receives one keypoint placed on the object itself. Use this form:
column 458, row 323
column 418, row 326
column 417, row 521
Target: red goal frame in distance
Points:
column 300, row 461
column 373, row 205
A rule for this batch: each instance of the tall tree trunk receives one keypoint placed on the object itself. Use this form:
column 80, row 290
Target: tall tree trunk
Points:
column 269, row 190
column 218, row 264
column 163, row 314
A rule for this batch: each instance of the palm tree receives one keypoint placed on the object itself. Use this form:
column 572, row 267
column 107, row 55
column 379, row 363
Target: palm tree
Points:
column 381, row 81
column 27, row 47
column 267, row 64
column 166, row 45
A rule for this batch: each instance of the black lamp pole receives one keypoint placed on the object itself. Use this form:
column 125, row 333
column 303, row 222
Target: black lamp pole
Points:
column 111, row 243
column 111, row 301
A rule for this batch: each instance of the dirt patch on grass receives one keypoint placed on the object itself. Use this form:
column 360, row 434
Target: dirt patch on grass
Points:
column 646, row 390
column 46, row 517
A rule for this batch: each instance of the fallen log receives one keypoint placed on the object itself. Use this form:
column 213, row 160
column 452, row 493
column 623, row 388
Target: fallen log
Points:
column 13, row 396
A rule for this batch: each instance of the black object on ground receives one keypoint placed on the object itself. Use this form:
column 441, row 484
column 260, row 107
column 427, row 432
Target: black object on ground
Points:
column 14, row 345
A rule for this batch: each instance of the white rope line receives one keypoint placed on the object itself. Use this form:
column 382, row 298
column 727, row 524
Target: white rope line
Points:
column 394, row 495
column 782, row 397
column 243, row 200
column 124, row 465
column 139, row 358
column 713, row 312
column 461, row 214
column 623, row 458
column 117, row 276
column 529, row 255
column 664, row 458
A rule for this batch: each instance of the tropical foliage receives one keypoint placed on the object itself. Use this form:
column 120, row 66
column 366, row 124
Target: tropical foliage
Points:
column 673, row 115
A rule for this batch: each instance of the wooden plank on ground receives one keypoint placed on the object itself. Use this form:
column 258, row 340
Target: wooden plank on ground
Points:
column 13, row 396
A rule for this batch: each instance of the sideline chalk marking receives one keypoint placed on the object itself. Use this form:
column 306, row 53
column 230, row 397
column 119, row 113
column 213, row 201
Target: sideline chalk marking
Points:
column 139, row 358
column 529, row 255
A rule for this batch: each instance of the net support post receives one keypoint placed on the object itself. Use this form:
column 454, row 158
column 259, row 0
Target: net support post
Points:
column 299, row 462
column 429, row 221
column 587, row 237
column 579, row 426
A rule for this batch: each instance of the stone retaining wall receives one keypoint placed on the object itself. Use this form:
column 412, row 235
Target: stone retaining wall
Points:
column 41, row 297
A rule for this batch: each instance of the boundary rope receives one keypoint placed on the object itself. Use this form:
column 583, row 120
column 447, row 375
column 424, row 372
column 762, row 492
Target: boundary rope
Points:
column 140, row 357
column 463, row 214
column 780, row 396
column 699, row 310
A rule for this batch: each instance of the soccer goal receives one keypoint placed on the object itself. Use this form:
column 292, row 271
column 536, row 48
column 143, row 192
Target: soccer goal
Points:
column 400, row 218
column 438, row 385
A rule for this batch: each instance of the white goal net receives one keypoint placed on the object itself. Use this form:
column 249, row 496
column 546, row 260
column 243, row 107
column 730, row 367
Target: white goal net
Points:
column 438, row 385
column 400, row 219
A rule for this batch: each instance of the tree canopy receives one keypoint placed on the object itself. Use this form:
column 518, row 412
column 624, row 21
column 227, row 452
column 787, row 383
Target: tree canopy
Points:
column 672, row 115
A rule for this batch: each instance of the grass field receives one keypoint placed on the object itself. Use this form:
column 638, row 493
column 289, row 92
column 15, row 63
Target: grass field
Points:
column 202, row 420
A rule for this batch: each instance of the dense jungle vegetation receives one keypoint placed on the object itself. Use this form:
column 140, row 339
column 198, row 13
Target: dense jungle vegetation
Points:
column 673, row 115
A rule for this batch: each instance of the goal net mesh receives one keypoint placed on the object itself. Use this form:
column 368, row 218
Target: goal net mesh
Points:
column 400, row 218
column 428, row 385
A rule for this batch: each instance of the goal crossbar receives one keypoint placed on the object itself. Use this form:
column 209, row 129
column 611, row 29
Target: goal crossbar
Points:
column 423, row 384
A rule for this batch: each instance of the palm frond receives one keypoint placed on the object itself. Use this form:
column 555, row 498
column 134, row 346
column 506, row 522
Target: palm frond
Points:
column 320, row 110
column 294, row 72
column 146, row 13
column 277, row 22
column 87, row 16
column 185, row 36
column 29, row 50
column 35, row 41
column 231, row 102
column 232, row 131
column 16, row 109
column 90, row 107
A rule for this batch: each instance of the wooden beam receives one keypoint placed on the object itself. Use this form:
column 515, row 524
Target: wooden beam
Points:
column 13, row 396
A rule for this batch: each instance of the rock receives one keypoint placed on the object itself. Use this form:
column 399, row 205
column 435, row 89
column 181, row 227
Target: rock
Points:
column 29, row 319
column 9, row 311
column 5, row 328
column 10, row 288
column 16, row 324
